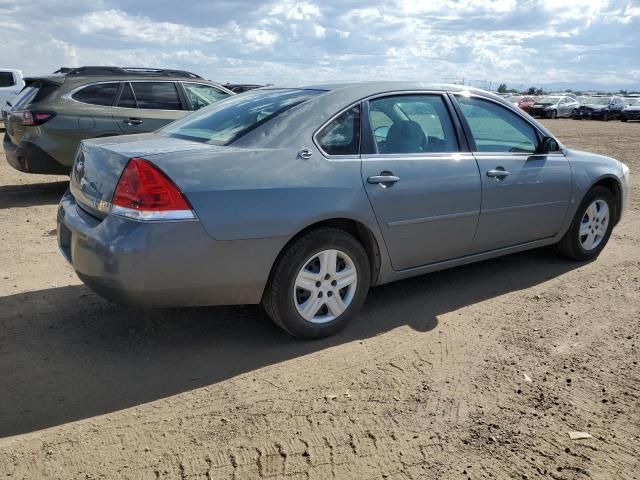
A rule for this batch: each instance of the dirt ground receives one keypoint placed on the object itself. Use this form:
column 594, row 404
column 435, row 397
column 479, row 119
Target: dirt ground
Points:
column 428, row 383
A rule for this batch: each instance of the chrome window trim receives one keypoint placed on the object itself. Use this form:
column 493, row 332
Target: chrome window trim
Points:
column 441, row 94
column 318, row 130
column 69, row 95
column 359, row 102
column 216, row 86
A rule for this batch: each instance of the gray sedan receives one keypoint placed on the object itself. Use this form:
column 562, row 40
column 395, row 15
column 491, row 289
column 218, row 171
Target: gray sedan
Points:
column 303, row 198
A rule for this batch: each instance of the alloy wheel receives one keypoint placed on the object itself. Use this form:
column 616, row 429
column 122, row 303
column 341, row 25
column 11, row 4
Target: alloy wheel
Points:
column 594, row 224
column 325, row 286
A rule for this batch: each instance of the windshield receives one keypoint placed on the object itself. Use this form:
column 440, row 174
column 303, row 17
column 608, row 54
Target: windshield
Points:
column 227, row 121
column 633, row 102
column 597, row 101
column 548, row 100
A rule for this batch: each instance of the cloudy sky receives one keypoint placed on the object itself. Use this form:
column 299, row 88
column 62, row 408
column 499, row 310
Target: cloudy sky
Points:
column 521, row 43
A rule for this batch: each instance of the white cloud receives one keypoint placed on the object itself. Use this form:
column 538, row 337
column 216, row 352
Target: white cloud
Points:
column 514, row 41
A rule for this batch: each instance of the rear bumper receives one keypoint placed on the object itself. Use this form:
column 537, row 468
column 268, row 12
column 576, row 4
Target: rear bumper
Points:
column 162, row 264
column 29, row 158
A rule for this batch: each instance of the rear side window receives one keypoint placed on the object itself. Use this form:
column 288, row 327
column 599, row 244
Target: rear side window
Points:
column 98, row 94
column 224, row 123
column 201, row 95
column 157, row 95
column 342, row 135
column 6, row 79
column 495, row 128
column 412, row 124
column 127, row 100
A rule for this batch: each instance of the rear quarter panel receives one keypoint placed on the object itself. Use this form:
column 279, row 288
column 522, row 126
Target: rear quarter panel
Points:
column 255, row 193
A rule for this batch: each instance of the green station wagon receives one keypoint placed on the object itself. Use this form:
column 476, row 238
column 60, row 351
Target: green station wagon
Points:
column 54, row 113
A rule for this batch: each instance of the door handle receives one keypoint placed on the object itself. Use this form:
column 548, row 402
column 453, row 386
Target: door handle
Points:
column 385, row 179
column 133, row 121
column 498, row 173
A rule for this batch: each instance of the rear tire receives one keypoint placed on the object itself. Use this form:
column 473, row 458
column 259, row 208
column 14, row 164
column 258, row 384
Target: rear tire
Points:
column 591, row 227
column 306, row 276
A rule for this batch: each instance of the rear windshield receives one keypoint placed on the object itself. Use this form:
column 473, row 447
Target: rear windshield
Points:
column 227, row 121
column 32, row 93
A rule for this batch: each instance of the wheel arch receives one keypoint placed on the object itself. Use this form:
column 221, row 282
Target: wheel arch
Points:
column 612, row 184
column 359, row 230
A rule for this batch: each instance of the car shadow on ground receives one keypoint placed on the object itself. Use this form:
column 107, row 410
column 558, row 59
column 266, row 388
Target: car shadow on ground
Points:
column 66, row 354
column 31, row 194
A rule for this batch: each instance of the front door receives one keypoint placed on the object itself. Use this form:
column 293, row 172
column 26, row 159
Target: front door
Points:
column 424, row 190
column 525, row 195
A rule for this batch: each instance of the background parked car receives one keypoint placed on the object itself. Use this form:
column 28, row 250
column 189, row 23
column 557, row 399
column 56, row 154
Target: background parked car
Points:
column 53, row 113
column 601, row 108
column 553, row 106
column 11, row 82
column 526, row 103
column 631, row 111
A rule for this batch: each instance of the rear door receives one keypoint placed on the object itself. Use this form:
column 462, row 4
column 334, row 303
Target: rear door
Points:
column 525, row 195
column 422, row 182
column 145, row 106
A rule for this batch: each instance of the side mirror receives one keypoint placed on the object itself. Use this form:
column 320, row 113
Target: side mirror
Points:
column 548, row 145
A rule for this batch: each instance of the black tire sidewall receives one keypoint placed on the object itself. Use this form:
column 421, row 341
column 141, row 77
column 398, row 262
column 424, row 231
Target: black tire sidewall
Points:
column 288, row 268
column 596, row 193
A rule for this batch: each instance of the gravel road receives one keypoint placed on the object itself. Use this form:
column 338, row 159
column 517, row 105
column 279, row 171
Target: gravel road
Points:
column 428, row 383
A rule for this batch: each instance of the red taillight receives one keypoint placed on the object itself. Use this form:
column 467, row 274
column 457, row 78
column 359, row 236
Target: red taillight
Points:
column 31, row 119
column 144, row 192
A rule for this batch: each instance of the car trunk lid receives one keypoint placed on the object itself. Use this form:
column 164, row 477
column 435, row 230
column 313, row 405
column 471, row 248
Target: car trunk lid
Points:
column 100, row 162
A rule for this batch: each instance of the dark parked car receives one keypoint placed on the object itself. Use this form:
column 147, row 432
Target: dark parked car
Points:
column 554, row 106
column 54, row 113
column 600, row 108
column 631, row 111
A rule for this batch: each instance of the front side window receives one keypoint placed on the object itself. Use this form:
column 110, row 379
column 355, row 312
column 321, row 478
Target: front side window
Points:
column 496, row 129
column 98, row 94
column 412, row 124
column 342, row 135
column 6, row 79
column 201, row 95
column 157, row 95
column 224, row 123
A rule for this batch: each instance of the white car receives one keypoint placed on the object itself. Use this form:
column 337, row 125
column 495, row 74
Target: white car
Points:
column 11, row 83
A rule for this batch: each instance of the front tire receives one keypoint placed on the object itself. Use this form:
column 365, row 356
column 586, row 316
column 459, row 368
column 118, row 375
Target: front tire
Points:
column 318, row 284
column 591, row 226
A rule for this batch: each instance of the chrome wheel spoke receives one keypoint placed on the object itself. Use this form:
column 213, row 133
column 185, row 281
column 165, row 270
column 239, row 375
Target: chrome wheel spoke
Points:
column 346, row 277
column 307, row 280
column 335, row 305
column 311, row 307
column 585, row 229
column 328, row 261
